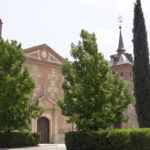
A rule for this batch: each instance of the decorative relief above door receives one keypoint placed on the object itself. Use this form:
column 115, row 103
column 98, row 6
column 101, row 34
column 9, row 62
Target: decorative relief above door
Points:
column 43, row 53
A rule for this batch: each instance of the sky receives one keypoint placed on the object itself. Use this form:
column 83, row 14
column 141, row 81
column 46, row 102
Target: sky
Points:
column 58, row 22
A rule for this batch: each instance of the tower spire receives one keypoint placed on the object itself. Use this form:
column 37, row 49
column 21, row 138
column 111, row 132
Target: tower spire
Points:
column 1, row 23
column 120, row 44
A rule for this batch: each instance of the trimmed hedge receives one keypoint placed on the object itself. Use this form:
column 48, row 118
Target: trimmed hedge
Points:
column 18, row 139
column 116, row 139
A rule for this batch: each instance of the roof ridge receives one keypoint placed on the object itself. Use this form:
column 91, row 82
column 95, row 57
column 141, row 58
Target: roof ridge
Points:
column 34, row 48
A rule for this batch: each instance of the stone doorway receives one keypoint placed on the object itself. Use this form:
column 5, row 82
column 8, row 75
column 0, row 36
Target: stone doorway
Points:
column 43, row 129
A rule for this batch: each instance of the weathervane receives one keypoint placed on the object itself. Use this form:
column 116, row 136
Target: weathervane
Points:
column 120, row 22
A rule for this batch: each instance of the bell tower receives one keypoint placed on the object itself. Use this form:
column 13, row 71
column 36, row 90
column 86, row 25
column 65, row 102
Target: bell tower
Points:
column 122, row 64
column 122, row 61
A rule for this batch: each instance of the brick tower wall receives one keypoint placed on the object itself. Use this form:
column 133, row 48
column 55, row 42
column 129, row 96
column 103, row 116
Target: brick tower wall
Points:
column 126, row 73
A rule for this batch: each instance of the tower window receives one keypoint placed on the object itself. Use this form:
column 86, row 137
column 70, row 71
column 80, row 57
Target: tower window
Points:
column 121, row 74
column 130, row 74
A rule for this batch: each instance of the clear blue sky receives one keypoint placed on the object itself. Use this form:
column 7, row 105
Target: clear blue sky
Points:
column 58, row 22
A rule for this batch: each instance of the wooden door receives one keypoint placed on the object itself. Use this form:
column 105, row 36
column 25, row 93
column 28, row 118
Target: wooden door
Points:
column 43, row 129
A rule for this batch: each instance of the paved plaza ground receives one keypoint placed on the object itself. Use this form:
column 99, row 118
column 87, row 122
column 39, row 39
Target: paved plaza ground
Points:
column 41, row 147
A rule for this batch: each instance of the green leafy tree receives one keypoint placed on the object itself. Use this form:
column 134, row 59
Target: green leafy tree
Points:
column 94, row 97
column 16, row 86
column 141, row 67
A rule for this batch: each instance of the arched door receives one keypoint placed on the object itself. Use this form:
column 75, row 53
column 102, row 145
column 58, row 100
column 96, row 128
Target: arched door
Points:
column 43, row 129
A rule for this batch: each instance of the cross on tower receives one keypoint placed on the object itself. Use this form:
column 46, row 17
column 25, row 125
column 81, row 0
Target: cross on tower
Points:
column 120, row 22
column 120, row 44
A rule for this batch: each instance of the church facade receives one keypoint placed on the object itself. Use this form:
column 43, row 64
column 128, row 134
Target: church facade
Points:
column 44, row 65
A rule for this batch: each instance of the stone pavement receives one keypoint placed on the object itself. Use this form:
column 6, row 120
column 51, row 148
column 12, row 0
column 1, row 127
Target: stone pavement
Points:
column 41, row 147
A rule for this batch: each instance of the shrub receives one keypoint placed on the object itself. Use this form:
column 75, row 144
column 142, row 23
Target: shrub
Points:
column 115, row 139
column 18, row 139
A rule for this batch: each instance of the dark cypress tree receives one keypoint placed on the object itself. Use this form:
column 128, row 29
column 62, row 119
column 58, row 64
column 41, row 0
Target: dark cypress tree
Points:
column 141, row 67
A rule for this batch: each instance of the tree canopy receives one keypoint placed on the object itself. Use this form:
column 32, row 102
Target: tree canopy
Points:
column 94, row 96
column 16, row 87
